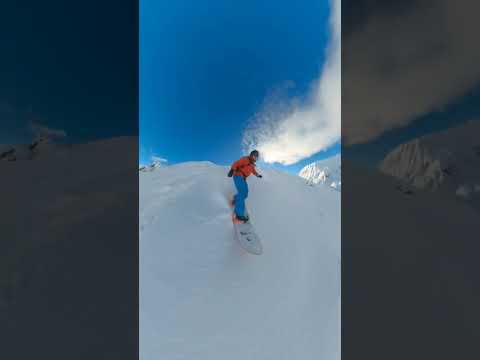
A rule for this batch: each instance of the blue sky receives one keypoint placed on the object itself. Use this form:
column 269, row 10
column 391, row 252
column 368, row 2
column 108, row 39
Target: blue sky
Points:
column 206, row 70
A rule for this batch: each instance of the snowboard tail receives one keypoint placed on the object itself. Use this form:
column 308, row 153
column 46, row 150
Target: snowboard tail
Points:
column 246, row 236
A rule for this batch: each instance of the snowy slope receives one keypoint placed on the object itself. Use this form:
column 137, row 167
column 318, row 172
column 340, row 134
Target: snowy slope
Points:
column 448, row 161
column 203, row 297
column 327, row 172
column 63, row 242
column 410, row 271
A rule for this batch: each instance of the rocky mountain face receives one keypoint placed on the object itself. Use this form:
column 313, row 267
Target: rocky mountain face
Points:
column 325, row 172
column 447, row 162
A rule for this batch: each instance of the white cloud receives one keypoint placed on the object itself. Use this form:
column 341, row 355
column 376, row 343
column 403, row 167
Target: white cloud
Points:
column 399, row 66
column 289, row 131
column 46, row 132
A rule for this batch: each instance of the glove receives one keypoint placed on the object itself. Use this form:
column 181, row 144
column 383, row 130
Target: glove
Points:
column 230, row 173
column 259, row 176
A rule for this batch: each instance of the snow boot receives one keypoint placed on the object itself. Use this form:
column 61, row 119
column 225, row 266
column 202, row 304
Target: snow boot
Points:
column 239, row 219
column 242, row 218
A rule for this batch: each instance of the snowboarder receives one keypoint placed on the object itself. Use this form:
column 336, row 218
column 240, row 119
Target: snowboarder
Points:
column 240, row 170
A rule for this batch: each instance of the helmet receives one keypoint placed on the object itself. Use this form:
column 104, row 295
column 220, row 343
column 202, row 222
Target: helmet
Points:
column 255, row 153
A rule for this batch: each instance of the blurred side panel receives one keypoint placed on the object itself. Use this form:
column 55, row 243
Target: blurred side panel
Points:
column 69, row 180
column 410, row 179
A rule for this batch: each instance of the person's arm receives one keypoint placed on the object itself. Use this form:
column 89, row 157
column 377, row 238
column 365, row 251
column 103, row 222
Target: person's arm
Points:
column 256, row 173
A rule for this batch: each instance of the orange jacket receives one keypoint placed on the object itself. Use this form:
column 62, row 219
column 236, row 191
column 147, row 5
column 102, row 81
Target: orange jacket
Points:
column 244, row 167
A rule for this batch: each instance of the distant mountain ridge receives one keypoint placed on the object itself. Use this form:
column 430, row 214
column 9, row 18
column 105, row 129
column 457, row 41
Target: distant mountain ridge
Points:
column 326, row 172
column 446, row 161
column 23, row 151
column 40, row 148
column 156, row 164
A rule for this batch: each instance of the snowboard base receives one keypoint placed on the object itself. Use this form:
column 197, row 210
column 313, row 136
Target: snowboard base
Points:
column 247, row 237
column 245, row 233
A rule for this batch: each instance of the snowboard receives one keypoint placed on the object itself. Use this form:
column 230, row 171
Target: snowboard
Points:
column 248, row 238
column 246, row 235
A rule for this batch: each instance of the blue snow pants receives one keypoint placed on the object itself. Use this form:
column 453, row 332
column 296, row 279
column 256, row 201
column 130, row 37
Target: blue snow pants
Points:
column 242, row 194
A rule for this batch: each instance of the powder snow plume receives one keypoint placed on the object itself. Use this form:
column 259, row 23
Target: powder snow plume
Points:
column 286, row 131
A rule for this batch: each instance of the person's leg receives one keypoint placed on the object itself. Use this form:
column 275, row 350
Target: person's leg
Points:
column 242, row 193
column 245, row 196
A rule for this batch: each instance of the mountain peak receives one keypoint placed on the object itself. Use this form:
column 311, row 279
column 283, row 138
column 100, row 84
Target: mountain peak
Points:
column 445, row 161
column 327, row 172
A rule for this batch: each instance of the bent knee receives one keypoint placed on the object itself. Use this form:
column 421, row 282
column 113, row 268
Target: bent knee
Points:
column 243, row 194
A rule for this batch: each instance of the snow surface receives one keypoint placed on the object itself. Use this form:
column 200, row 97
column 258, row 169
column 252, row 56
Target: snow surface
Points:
column 326, row 172
column 63, row 243
column 203, row 297
column 418, row 251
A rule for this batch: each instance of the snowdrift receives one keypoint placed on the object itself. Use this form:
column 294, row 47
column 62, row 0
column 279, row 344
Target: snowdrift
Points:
column 203, row 297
